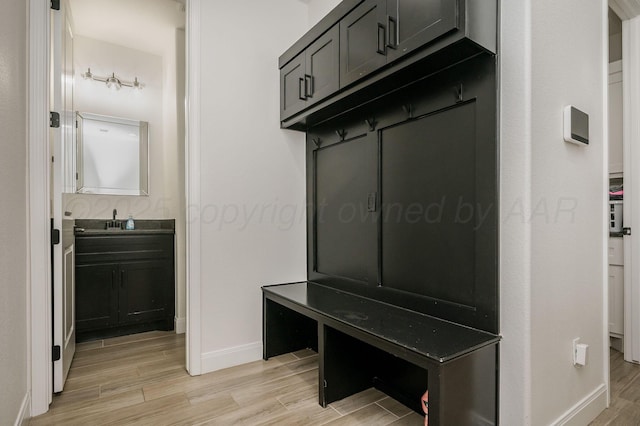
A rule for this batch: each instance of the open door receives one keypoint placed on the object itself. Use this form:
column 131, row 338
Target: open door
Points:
column 61, row 139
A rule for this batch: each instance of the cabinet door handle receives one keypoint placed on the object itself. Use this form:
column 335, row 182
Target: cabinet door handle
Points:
column 308, row 86
column 122, row 279
column 392, row 35
column 382, row 48
column 302, row 89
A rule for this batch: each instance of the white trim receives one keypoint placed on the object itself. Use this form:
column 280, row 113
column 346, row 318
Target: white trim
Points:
column 586, row 409
column 180, row 325
column 39, row 228
column 605, row 201
column 230, row 357
column 631, row 137
column 192, row 178
column 25, row 409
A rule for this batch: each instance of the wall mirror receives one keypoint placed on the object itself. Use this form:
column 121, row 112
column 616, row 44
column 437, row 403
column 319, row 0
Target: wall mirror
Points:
column 112, row 155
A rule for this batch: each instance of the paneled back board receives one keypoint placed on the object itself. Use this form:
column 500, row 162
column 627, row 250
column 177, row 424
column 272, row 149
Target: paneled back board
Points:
column 402, row 197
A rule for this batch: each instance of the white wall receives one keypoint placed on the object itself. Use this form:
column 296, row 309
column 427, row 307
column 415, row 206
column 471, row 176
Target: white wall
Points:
column 553, row 217
column 319, row 8
column 173, row 75
column 515, row 202
column 252, row 173
column 157, row 103
column 14, row 332
column 91, row 96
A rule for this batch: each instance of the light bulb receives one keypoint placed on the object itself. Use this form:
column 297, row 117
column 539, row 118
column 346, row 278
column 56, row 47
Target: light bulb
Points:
column 113, row 82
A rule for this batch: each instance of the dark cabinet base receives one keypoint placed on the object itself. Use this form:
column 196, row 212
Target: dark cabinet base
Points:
column 123, row 330
column 125, row 284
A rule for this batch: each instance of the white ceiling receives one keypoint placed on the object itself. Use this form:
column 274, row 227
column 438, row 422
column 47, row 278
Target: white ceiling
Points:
column 137, row 24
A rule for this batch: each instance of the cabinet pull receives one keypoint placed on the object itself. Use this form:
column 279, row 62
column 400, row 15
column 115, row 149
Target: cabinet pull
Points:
column 382, row 48
column 392, row 34
column 302, row 89
column 308, row 86
column 122, row 279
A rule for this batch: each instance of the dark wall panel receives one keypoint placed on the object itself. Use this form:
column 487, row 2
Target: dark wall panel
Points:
column 428, row 171
column 345, row 237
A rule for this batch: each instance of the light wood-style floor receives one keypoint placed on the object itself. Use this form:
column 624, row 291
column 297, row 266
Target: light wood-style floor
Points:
column 141, row 379
column 625, row 394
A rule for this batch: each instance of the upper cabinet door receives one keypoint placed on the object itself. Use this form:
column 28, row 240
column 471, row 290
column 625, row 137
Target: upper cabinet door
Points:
column 363, row 41
column 322, row 66
column 293, row 87
column 414, row 23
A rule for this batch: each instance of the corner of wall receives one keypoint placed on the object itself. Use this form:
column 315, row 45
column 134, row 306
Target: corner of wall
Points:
column 25, row 410
column 585, row 410
column 180, row 325
column 230, row 357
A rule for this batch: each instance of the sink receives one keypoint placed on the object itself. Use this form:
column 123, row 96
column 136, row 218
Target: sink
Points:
column 113, row 225
column 117, row 227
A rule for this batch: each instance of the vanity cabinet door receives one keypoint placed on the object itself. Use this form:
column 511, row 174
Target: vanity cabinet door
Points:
column 415, row 23
column 96, row 296
column 144, row 291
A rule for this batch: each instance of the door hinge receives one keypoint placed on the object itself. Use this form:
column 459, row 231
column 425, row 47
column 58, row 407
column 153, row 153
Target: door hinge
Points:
column 626, row 231
column 55, row 4
column 55, row 353
column 54, row 119
column 55, row 237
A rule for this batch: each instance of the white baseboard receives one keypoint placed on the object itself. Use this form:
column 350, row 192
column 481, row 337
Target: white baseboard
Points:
column 180, row 325
column 25, row 410
column 585, row 410
column 230, row 357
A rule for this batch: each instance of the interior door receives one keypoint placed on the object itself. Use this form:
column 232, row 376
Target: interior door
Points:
column 63, row 280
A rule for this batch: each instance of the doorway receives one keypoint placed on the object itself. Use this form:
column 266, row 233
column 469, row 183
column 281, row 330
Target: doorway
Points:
column 138, row 46
column 627, row 51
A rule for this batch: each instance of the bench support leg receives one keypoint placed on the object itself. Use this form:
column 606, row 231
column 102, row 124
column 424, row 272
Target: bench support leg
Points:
column 345, row 366
column 285, row 330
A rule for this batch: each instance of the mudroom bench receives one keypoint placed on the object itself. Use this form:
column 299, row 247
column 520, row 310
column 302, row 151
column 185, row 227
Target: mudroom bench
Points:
column 365, row 343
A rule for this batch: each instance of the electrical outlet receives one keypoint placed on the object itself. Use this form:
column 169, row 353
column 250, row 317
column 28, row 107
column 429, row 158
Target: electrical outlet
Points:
column 579, row 353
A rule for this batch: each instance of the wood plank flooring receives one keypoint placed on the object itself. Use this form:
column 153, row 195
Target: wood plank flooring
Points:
column 141, row 379
column 625, row 394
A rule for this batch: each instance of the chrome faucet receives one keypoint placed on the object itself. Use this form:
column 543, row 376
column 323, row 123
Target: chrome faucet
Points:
column 115, row 212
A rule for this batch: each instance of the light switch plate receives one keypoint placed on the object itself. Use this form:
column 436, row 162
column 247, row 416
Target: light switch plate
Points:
column 576, row 126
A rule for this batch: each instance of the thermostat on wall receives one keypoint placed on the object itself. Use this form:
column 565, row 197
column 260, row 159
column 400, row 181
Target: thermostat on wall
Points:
column 576, row 126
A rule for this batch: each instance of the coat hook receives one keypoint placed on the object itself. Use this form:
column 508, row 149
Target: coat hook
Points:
column 317, row 142
column 408, row 109
column 459, row 97
column 341, row 134
column 372, row 123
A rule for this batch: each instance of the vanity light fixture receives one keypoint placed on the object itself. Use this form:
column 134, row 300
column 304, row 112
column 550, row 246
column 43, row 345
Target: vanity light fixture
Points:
column 112, row 81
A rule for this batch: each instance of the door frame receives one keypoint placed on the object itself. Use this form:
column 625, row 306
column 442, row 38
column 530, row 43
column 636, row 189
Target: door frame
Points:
column 39, row 347
column 627, row 11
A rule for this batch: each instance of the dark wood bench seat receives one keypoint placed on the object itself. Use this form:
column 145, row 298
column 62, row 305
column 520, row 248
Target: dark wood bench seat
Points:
column 363, row 342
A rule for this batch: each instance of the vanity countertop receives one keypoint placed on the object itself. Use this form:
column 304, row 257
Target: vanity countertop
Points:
column 142, row 226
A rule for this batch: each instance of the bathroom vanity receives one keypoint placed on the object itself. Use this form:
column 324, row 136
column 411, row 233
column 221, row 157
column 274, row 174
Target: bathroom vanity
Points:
column 125, row 279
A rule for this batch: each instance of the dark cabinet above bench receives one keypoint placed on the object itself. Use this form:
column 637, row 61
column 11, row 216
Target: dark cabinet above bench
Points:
column 311, row 76
column 365, row 49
